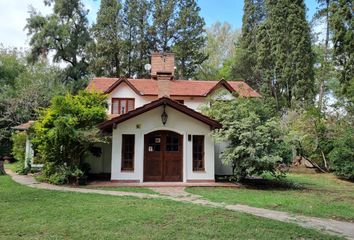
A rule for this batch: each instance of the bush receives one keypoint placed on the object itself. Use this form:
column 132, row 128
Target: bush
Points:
column 19, row 151
column 61, row 174
column 342, row 155
column 255, row 136
column 55, row 174
column 19, row 145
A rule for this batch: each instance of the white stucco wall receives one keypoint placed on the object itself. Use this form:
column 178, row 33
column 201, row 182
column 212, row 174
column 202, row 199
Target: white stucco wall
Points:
column 220, row 167
column 124, row 91
column 151, row 121
column 101, row 164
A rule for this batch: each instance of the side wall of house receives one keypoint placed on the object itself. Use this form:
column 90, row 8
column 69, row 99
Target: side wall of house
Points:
column 220, row 167
column 102, row 162
column 151, row 121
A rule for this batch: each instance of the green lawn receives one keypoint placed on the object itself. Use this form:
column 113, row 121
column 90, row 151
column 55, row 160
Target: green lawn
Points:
column 321, row 195
column 28, row 213
column 125, row 189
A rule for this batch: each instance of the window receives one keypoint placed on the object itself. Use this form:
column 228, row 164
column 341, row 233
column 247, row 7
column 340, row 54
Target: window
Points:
column 128, row 142
column 154, row 143
column 122, row 105
column 172, row 143
column 198, row 153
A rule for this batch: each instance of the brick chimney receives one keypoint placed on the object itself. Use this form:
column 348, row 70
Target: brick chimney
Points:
column 162, row 66
column 162, row 70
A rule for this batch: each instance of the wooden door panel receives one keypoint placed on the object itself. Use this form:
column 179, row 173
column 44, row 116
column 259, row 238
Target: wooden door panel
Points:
column 163, row 156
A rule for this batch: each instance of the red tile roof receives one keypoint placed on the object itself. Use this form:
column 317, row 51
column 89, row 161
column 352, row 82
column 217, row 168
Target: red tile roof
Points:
column 24, row 126
column 178, row 87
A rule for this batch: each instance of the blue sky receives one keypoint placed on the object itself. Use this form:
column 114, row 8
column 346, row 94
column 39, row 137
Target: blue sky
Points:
column 230, row 11
column 13, row 14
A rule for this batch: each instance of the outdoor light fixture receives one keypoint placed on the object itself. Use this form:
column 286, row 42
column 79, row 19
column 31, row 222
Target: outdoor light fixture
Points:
column 164, row 115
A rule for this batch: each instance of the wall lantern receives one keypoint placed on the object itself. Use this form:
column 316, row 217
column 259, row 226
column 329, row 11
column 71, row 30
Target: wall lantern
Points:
column 164, row 115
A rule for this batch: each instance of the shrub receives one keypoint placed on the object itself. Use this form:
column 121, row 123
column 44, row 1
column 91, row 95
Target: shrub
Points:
column 66, row 131
column 19, row 151
column 342, row 155
column 255, row 136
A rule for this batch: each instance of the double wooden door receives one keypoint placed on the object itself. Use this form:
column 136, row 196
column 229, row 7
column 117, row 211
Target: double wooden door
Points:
column 163, row 154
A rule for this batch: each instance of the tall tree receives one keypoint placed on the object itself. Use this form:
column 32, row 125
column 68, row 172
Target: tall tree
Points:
column 220, row 48
column 135, row 34
column 342, row 27
column 285, row 56
column 246, row 54
column 64, row 32
column 190, row 40
column 324, row 66
column 107, row 51
column 163, row 29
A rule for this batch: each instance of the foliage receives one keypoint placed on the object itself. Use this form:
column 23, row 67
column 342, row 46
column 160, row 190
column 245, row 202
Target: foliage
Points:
column 256, row 143
column 284, row 53
column 245, row 59
column 190, row 39
column 64, row 33
column 342, row 155
column 31, row 87
column 220, row 47
column 137, row 40
column 11, row 65
column 108, row 46
column 19, row 147
column 341, row 21
column 311, row 135
column 66, row 130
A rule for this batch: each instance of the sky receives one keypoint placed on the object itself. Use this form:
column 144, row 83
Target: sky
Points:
column 13, row 14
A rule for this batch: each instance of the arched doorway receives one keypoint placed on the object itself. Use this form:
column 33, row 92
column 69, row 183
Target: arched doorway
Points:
column 163, row 155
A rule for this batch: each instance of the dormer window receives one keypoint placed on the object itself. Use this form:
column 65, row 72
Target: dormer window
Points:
column 122, row 105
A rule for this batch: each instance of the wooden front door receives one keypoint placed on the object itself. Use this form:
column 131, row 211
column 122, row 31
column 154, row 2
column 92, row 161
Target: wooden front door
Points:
column 163, row 154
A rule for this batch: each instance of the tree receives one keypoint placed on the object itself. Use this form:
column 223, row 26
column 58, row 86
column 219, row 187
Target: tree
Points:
column 31, row 89
column 11, row 66
column 137, row 41
column 163, row 29
column 324, row 69
column 342, row 155
column 67, row 128
column 190, row 39
column 342, row 27
column 245, row 60
column 284, row 54
column 64, row 33
column 311, row 134
column 256, row 143
column 107, row 50
column 220, row 48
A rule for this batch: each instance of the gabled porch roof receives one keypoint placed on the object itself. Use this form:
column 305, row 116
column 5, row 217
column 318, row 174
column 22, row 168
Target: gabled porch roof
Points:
column 107, row 125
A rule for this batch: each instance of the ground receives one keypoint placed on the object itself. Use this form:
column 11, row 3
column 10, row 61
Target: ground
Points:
column 28, row 213
column 320, row 195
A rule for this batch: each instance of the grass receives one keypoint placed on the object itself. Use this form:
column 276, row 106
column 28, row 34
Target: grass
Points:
column 320, row 195
column 28, row 213
column 126, row 189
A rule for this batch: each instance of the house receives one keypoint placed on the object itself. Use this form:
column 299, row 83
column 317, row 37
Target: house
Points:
column 158, row 132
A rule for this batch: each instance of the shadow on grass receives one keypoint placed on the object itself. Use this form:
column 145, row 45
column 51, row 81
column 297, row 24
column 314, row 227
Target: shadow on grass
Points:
column 271, row 184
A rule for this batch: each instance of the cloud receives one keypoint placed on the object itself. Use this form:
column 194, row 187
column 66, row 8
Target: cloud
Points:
column 13, row 15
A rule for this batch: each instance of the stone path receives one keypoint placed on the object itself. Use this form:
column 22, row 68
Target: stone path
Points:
column 330, row 226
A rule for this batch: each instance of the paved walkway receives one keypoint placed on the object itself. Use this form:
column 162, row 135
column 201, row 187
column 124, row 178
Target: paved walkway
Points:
column 333, row 227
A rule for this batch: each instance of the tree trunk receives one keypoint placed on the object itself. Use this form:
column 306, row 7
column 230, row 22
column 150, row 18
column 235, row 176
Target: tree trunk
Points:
column 2, row 170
